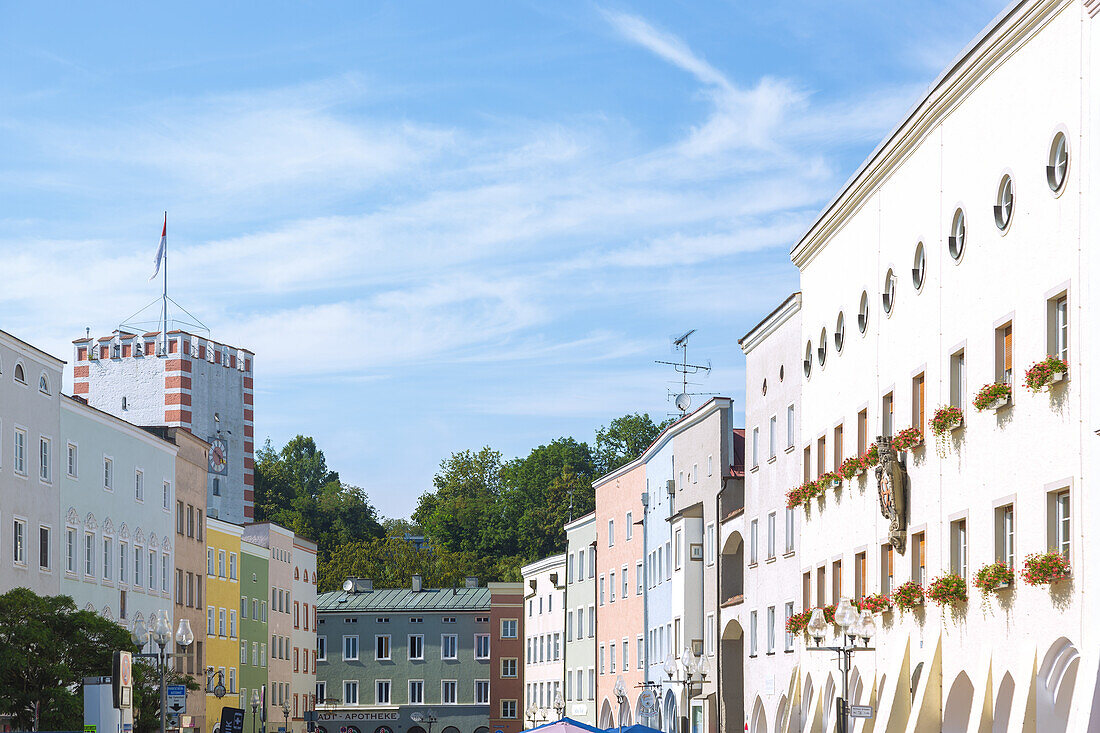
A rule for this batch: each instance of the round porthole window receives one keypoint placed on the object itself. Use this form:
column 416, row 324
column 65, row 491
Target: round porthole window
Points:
column 822, row 343
column 1006, row 199
column 918, row 266
column 889, row 290
column 838, row 335
column 1057, row 162
column 864, row 313
column 808, row 361
column 956, row 241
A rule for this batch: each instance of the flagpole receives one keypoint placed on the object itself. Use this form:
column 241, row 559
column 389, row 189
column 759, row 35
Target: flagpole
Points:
column 164, row 293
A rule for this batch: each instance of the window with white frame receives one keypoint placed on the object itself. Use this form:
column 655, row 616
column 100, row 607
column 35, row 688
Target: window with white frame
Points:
column 89, row 554
column 70, row 550
column 629, row 526
column 19, row 462
column 752, row 634
column 711, row 547
column 790, row 426
column 481, row 646
column 1059, row 513
column 772, row 437
column 108, row 553
column 1004, row 521
column 139, row 485
column 481, row 692
column 416, row 692
column 788, row 641
column 1058, row 327
column 754, row 533
column 351, row 692
column 165, row 493
column 509, row 667
column 416, row 646
column 44, row 459
column 610, row 532
column 508, row 628
column 771, row 629
column 771, row 535
column 382, row 647
column 19, row 542
column 449, row 692
column 755, row 447
column 321, row 690
column 449, row 646
column 381, row 692
column 959, row 548
column 788, row 544
column 709, row 644
column 322, row 648
column 108, row 474
column 639, row 576
column 351, row 648
column 957, row 390
column 72, row 464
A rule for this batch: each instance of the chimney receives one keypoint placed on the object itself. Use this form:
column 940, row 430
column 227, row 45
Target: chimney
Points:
column 362, row 585
column 471, row 582
column 417, row 583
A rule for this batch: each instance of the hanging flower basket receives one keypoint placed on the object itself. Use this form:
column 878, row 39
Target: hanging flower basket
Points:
column 1047, row 372
column 909, row 595
column 993, row 396
column 908, row 439
column 797, row 623
column 944, row 419
column 947, row 590
column 1048, row 567
column 870, row 458
column 995, row 576
column 875, row 603
column 850, row 468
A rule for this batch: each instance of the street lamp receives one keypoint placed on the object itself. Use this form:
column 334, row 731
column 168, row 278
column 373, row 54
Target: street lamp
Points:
column 696, row 670
column 160, row 633
column 531, row 714
column 255, row 702
column 286, row 716
column 559, row 704
column 853, row 624
column 620, row 697
column 425, row 717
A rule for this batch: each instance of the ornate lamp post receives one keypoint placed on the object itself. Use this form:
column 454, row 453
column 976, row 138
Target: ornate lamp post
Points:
column 286, row 716
column 559, row 705
column 531, row 714
column 696, row 670
column 620, row 697
column 425, row 717
column 853, row 624
column 255, row 702
column 160, row 634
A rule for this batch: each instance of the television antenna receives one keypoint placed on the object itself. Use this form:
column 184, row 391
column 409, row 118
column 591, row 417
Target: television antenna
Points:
column 682, row 399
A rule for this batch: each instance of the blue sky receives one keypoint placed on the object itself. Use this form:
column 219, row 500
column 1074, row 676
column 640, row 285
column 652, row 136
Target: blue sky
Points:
column 441, row 225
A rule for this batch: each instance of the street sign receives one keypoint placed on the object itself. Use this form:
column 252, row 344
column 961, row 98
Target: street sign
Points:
column 89, row 729
column 862, row 711
column 232, row 720
column 176, row 698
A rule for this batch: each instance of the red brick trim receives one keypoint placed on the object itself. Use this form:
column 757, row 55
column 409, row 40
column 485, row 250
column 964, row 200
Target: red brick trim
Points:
column 177, row 382
column 177, row 416
column 80, row 388
column 81, row 371
column 177, row 365
column 177, row 398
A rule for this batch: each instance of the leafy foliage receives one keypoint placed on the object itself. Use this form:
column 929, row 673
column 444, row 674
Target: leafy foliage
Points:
column 948, row 589
column 1041, row 372
column 907, row 438
column 875, row 603
column 990, row 393
column 909, row 595
column 1047, row 567
column 989, row 577
column 624, row 439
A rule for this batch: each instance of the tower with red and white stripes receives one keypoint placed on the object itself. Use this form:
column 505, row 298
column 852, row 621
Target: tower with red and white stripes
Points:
column 180, row 379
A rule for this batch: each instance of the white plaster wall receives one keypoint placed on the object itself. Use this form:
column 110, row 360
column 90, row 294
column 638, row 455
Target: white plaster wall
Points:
column 545, row 621
column 775, row 581
column 1005, row 122
column 26, row 496
column 580, row 651
column 304, row 637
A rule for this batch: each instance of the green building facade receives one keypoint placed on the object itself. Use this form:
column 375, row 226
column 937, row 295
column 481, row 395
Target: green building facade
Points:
column 254, row 634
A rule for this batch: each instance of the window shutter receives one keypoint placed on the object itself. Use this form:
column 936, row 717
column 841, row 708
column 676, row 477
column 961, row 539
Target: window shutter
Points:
column 1008, row 348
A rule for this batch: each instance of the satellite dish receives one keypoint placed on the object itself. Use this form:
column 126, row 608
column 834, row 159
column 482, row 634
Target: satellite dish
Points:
column 349, row 586
column 683, row 401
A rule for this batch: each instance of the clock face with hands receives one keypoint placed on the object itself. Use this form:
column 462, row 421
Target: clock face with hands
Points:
column 218, row 461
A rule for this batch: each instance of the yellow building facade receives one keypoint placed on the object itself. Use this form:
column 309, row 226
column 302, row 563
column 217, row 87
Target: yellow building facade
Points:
column 223, row 562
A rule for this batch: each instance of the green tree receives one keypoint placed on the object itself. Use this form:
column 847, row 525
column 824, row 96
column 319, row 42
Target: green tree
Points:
column 624, row 439
column 461, row 515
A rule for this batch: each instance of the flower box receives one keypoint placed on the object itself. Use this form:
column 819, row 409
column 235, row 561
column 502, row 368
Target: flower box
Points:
column 993, row 577
column 1003, row 586
column 1056, row 377
column 998, row 403
column 947, row 590
column 1044, row 568
column 993, row 396
column 1045, row 373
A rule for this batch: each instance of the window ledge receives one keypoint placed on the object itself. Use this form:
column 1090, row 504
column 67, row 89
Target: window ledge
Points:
column 789, row 449
column 769, row 654
column 788, row 651
column 752, row 656
column 772, row 459
column 789, row 553
column 755, row 468
column 770, row 560
column 753, row 564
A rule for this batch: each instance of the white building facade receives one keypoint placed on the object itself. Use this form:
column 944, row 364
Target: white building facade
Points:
column 30, row 433
column 771, row 574
column 580, row 634
column 544, row 642
column 956, row 257
column 117, row 515
column 304, row 637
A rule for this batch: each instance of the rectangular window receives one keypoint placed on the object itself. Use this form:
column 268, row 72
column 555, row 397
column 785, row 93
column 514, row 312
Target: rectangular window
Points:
column 838, row 447
column 508, row 628
column 821, row 455
column 772, row 437
column 754, row 531
column 918, row 402
column 152, row 569
column 449, row 692
column 165, row 491
column 788, row 637
column 821, row 586
column 509, row 667
column 861, row 432
column 678, row 549
column 1004, row 520
column 838, row 580
column 481, row 692
column 232, row 623
column 711, row 548
column 807, row 462
column 322, row 648
column 861, row 576
column 20, row 458
column 629, row 526
column 221, row 564
column 164, row 573
column 790, row 426
column 771, row 629
column 752, row 634
column 481, row 646
column 788, row 543
column 1058, row 327
column 920, row 569
column 1003, row 342
column 71, row 461
column 580, row 565
column 958, row 548
column 138, row 555
column 351, row 692
column 611, row 584
column 638, row 578
column 381, row 692
column 44, row 459
column 19, row 542
column 755, row 447
column 416, row 646
column 232, row 566
column 44, row 548
column 771, row 535
column 888, row 414
column 603, row 591
column 221, row 622
column 210, row 621
column 108, row 553
column 958, row 379
column 70, row 550
column 569, row 568
column 610, row 532
column 89, row 554
column 416, row 692
column 1059, row 536
column 123, row 566
column 508, row 709
column 351, row 648
column 887, row 567
column 806, row 590
column 382, row 647
column 612, row 657
column 108, row 474
column 139, row 486
column 449, row 646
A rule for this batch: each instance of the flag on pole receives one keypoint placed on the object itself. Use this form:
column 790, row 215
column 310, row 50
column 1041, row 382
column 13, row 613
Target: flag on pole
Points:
column 160, row 250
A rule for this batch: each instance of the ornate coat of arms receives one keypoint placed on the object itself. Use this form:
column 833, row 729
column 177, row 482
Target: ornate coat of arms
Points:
column 890, row 476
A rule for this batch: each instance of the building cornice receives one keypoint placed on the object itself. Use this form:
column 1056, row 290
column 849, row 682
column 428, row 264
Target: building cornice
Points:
column 1003, row 36
column 74, row 405
column 580, row 522
column 18, row 344
column 541, row 566
column 771, row 322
